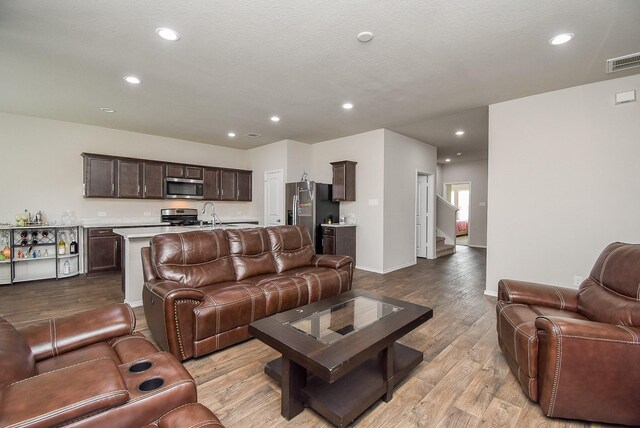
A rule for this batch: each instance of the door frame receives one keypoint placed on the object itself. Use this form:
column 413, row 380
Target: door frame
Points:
column 431, row 216
column 282, row 202
column 444, row 192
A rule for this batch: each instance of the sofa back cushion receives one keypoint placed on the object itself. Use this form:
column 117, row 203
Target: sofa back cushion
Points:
column 611, row 294
column 16, row 358
column 192, row 258
column 291, row 246
column 250, row 252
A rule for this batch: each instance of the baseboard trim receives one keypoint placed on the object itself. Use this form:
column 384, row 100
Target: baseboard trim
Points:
column 134, row 304
column 395, row 268
column 368, row 269
column 491, row 293
column 478, row 246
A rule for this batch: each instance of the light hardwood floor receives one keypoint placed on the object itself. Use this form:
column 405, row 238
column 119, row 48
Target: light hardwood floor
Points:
column 463, row 382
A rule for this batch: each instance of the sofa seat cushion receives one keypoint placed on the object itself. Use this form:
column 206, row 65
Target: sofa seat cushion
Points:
column 324, row 282
column 227, row 306
column 284, row 292
column 553, row 312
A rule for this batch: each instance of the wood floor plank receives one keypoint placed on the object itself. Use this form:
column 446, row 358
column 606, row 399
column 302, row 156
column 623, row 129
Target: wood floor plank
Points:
column 463, row 381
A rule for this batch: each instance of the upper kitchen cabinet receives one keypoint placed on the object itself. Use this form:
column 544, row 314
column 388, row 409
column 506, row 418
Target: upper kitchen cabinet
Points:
column 243, row 183
column 185, row 171
column 344, row 180
column 228, row 185
column 129, row 173
column 99, row 176
column 211, row 184
column 153, row 180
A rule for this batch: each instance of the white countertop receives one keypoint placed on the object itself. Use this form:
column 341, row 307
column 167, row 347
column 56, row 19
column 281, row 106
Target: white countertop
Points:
column 149, row 221
column 337, row 225
column 148, row 232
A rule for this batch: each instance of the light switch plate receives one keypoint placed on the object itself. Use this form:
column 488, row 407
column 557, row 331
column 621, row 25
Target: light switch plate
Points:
column 373, row 202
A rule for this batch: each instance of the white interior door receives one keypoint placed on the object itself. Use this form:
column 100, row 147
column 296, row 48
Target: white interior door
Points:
column 422, row 214
column 274, row 198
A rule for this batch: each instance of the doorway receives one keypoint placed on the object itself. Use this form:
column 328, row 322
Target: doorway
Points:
column 274, row 198
column 425, row 223
column 459, row 195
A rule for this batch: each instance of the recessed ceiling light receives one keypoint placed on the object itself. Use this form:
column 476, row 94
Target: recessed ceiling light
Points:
column 447, row 160
column 168, row 34
column 133, row 80
column 561, row 39
column 231, row 134
column 275, row 119
column 365, row 36
column 460, row 132
column 347, row 106
column 459, row 154
column 107, row 110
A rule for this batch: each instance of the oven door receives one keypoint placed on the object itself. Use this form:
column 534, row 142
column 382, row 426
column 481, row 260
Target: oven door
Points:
column 182, row 188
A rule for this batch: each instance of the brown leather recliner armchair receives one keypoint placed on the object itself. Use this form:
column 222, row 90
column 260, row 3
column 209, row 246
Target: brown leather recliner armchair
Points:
column 577, row 352
column 91, row 370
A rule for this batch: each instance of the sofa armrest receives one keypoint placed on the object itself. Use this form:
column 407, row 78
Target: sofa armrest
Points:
column 55, row 336
column 64, row 395
column 587, row 370
column 531, row 293
column 168, row 308
column 331, row 261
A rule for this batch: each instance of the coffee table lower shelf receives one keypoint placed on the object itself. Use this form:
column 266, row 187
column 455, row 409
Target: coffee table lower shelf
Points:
column 345, row 399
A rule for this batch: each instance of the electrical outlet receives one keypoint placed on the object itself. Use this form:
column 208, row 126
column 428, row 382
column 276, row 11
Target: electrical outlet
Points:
column 577, row 280
column 147, row 213
column 373, row 202
column 102, row 214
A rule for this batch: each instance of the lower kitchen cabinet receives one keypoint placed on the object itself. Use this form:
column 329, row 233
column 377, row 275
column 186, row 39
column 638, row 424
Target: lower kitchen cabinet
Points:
column 339, row 240
column 103, row 254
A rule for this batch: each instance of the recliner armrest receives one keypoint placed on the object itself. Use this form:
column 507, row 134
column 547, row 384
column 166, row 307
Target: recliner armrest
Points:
column 531, row 293
column 55, row 336
column 57, row 397
column 588, row 369
column 171, row 289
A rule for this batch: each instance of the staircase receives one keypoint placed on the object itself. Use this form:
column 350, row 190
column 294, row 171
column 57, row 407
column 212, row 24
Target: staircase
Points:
column 443, row 249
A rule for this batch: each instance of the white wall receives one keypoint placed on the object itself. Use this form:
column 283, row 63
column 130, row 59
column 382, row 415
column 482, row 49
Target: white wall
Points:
column 42, row 168
column 298, row 160
column 563, row 181
column 476, row 173
column 403, row 158
column 368, row 150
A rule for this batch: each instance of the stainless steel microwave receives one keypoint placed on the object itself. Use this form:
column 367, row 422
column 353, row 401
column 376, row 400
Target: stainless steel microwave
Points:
column 184, row 188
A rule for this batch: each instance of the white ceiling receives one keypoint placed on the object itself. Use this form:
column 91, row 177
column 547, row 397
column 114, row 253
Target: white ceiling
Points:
column 432, row 67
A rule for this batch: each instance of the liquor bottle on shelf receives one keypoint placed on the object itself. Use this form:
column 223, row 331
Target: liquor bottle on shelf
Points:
column 66, row 268
column 62, row 246
column 73, row 246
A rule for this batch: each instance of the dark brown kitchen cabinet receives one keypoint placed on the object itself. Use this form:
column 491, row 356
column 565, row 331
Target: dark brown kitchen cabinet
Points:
column 99, row 176
column 344, row 180
column 228, row 188
column 185, row 171
column 129, row 183
column 153, row 181
column 103, row 255
column 339, row 240
column 243, row 185
column 211, row 189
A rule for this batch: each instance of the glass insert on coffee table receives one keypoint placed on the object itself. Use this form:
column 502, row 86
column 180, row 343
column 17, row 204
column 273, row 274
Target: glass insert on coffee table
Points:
column 339, row 355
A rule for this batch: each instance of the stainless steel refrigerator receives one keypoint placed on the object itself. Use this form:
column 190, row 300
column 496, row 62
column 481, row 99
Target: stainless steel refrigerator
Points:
column 309, row 204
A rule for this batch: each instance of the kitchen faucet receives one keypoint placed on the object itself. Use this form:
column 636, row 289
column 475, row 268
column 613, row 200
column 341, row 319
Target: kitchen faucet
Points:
column 215, row 221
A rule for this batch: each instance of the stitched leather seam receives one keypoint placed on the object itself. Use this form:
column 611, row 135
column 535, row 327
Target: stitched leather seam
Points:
column 205, row 423
column 132, row 319
column 606, row 261
column 598, row 339
column 561, row 298
column 72, row 407
column 57, row 370
column 506, row 285
column 55, row 336
column 177, row 322
column 556, row 377
column 633, row 335
column 159, row 390
column 182, row 253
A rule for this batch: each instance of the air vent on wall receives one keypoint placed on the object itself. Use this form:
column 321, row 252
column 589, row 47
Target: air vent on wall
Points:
column 623, row 62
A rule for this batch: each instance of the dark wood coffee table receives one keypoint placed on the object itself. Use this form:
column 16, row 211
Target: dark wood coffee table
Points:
column 339, row 355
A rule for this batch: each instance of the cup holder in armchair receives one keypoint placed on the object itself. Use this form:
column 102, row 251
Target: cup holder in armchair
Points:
column 140, row 367
column 151, row 384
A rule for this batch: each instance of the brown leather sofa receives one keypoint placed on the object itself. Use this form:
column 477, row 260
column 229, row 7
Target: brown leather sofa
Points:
column 203, row 288
column 90, row 369
column 577, row 352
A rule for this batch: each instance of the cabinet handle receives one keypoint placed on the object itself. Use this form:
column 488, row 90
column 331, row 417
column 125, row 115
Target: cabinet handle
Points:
column 222, row 192
column 113, row 187
column 138, row 191
column 238, row 194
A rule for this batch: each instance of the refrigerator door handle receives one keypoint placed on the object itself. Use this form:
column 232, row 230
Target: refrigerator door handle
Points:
column 295, row 209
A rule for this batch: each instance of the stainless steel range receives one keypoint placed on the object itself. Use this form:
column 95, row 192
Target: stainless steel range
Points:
column 179, row 216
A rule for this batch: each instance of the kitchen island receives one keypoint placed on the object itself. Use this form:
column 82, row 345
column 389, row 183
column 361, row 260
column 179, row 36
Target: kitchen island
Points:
column 135, row 238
